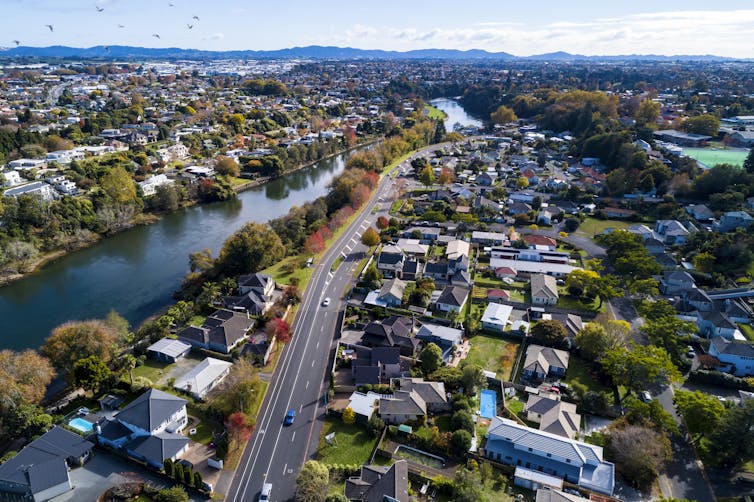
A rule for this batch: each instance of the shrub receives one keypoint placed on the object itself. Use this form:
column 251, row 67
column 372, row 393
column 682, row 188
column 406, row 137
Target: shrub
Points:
column 168, row 466
column 460, row 441
column 198, row 481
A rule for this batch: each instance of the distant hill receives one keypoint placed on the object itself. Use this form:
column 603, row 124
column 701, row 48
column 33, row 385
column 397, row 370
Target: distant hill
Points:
column 316, row 52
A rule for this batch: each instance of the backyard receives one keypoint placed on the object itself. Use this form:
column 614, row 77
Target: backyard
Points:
column 578, row 373
column 493, row 353
column 353, row 444
column 594, row 226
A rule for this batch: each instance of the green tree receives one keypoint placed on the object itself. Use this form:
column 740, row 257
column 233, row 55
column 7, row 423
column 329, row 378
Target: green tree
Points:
column 27, row 419
column 503, row 115
column 252, row 248
column 427, row 176
column 472, row 377
column 198, row 481
column 706, row 124
column 431, row 358
column 647, row 113
column 467, row 486
column 644, row 288
column 311, row 482
column 336, row 497
column 592, row 342
column 462, row 420
column 167, row 466
column 173, row 494
column 460, row 441
column 372, row 276
column 640, row 367
column 732, row 442
column 119, row 186
column 90, row 373
column 549, row 333
column 748, row 164
column 701, row 412
column 450, row 376
column 370, row 237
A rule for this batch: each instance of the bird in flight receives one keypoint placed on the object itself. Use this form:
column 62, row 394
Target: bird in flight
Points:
column 99, row 9
column 196, row 17
column 156, row 35
column 171, row 4
column 16, row 42
column 190, row 26
column 49, row 26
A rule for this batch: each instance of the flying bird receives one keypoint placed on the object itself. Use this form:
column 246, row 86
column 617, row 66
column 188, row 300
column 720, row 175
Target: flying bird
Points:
column 190, row 26
column 196, row 17
column 171, row 4
column 156, row 35
column 49, row 26
column 16, row 42
column 99, row 9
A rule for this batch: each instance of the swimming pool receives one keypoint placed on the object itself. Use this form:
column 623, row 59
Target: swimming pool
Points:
column 81, row 425
column 488, row 404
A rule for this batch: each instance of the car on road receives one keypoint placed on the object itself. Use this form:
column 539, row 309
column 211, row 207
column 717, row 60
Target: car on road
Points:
column 264, row 495
column 289, row 417
column 326, row 302
column 645, row 396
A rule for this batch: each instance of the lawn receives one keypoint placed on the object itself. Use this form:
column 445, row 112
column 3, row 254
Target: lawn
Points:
column 260, row 388
column 206, row 428
column 289, row 270
column 353, row 444
column 712, row 156
column 593, row 226
column 747, row 330
column 566, row 301
column 515, row 405
column 151, row 369
column 493, row 353
column 578, row 372
column 434, row 113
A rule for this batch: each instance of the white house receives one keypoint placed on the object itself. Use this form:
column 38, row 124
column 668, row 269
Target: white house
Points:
column 203, row 377
column 496, row 316
column 149, row 185
column 544, row 289
column 11, row 178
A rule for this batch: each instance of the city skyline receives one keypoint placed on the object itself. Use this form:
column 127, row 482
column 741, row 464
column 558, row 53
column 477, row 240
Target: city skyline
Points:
column 640, row 28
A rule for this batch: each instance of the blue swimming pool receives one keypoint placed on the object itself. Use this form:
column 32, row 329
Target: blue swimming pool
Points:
column 81, row 425
column 488, row 404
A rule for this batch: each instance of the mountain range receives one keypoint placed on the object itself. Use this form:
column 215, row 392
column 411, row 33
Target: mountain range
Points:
column 317, row 52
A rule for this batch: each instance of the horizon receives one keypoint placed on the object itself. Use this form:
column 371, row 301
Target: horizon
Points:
column 642, row 28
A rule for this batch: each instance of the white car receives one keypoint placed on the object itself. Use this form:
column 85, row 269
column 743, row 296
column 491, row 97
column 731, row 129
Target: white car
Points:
column 326, row 302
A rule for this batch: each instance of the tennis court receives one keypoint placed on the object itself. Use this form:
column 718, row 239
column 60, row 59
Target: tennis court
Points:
column 488, row 404
column 710, row 157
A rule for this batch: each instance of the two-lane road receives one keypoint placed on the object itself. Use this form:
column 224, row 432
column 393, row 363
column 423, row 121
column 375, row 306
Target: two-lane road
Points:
column 275, row 452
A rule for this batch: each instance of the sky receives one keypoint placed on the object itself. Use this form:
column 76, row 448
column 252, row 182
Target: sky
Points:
column 588, row 27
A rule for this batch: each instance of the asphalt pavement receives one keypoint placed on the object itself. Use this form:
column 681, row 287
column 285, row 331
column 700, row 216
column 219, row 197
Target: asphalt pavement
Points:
column 275, row 453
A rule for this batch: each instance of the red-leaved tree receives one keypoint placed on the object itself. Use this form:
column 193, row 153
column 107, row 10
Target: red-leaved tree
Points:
column 382, row 222
column 279, row 329
column 315, row 243
column 240, row 426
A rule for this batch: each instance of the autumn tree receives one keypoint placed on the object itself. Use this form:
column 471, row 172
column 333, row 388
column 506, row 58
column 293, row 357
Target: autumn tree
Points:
column 427, row 176
column 647, row 113
column 239, row 426
column 227, row 166
column 638, row 452
column 119, row 186
column 311, row 482
column 315, row 243
column 77, row 340
column 279, row 329
column 24, row 377
column 503, row 115
column 382, row 222
column 370, row 237
column 446, row 176
column 349, row 416
column 252, row 248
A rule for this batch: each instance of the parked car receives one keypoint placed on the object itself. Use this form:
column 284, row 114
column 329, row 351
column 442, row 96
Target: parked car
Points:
column 289, row 417
column 645, row 396
column 82, row 412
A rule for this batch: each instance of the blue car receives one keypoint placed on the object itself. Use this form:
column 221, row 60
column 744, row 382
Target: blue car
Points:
column 289, row 417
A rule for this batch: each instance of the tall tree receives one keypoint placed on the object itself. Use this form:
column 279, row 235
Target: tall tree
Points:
column 503, row 115
column 119, row 186
column 638, row 452
column 427, row 176
column 701, row 412
column 311, row 482
column 90, row 373
column 252, row 248
column 370, row 237
column 472, row 378
column 24, row 377
column 431, row 358
column 640, row 367
column 72, row 341
column 732, row 442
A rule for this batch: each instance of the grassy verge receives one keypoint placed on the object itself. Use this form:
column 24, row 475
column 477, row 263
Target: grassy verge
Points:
column 434, row 113
column 353, row 444
column 337, row 263
column 493, row 353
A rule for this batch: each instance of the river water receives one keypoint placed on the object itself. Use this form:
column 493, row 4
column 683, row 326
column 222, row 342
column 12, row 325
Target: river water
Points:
column 455, row 114
column 136, row 271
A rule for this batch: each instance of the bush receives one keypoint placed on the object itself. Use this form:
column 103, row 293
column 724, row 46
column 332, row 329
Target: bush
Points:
column 571, row 225
column 168, row 466
column 198, row 481
column 174, row 494
column 460, row 441
column 462, row 420
column 719, row 378
column 375, row 426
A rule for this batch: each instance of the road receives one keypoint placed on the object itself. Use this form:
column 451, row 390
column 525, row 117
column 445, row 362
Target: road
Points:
column 275, row 453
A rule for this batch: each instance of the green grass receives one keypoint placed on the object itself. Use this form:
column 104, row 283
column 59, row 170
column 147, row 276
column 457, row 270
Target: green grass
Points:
column 578, row 372
column 434, row 113
column 593, row 226
column 566, row 301
column 396, row 206
column 206, row 428
column 196, row 320
column 515, row 405
column 337, row 263
column 710, row 156
column 747, row 330
column 354, row 445
column 289, row 270
column 234, row 182
column 493, row 353
column 260, row 389
column 151, row 369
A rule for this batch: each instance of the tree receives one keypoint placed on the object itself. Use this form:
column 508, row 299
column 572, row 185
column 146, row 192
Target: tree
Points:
column 188, row 477
column 446, row 176
column 522, row 183
column 349, row 416
column 24, row 377
column 27, row 419
column 227, row 166
column 701, row 412
column 427, row 176
column 640, row 367
column 748, row 164
column 431, row 358
column 311, row 482
column 73, row 341
column 236, row 390
column 239, row 426
column 706, row 124
column 90, row 373
column 336, row 497
column 503, row 115
column 119, row 325
column 472, row 376
column 732, row 442
column 119, row 186
column 173, row 494
column 254, row 247
column 370, row 237
column 644, row 288
column 382, row 222
column 467, row 486
column 449, row 375
column 460, row 441
column 592, row 342
column 638, row 453
column 198, row 482
column 279, row 329
column 372, row 276
column 647, row 113
column 549, row 333
column 375, row 426
column 462, row 420
column 167, row 466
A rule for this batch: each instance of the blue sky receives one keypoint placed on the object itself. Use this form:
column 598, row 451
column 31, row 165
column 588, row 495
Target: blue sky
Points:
column 521, row 28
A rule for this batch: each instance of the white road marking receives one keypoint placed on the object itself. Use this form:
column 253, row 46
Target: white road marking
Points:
column 293, row 438
column 317, row 344
column 300, row 408
column 307, row 382
column 312, row 363
column 284, row 468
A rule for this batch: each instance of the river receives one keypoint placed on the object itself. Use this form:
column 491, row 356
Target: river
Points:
column 136, row 271
column 455, row 114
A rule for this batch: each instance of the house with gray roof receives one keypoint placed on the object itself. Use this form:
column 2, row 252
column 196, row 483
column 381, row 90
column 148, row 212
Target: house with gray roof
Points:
column 379, row 484
column 168, row 350
column 222, row 331
column 433, row 393
column 542, row 362
column 391, row 292
column 402, row 407
column 395, row 331
column 445, row 337
column 553, row 415
column 544, row 289
column 736, row 356
column 148, row 429
column 733, row 220
column 580, row 463
column 40, row 470
column 452, row 299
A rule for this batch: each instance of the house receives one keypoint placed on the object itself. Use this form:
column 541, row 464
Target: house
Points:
column 554, row 495
column 36, row 188
column 675, row 282
column 567, row 207
column 443, row 336
column 39, row 472
column 488, row 238
column 547, row 215
column 390, row 261
column 728, row 221
column 498, row 295
column 168, row 350
column 540, row 242
column 700, row 212
column 259, row 346
column 572, row 322
column 744, row 139
column 437, row 270
column 496, row 317
column 452, row 299
column 380, row 484
column 222, row 331
column 376, row 365
column 619, row 213
column 11, row 178
column 203, row 377
column 425, row 234
column 457, row 249
column 519, row 208
column 736, row 357
column 364, row 405
column 391, row 293
column 412, row 270
column 672, row 231
column 259, row 283
column 402, row 406
column 148, row 429
column 395, row 331
column 542, row 362
column 413, row 247
column 715, row 323
column 506, row 273
column 544, row 289
column 433, row 393
column 681, row 138
column 149, row 186
column 553, row 415
column 574, row 461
